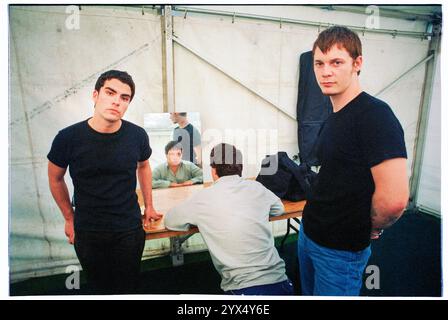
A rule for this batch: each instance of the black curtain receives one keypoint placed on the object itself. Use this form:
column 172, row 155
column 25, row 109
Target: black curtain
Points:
column 313, row 108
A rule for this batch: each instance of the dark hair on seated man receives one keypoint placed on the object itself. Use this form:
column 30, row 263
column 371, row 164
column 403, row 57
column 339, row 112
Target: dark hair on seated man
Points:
column 173, row 145
column 227, row 160
column 123, row 76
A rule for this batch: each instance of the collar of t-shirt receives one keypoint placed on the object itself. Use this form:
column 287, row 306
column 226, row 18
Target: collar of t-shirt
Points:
column 181, row 164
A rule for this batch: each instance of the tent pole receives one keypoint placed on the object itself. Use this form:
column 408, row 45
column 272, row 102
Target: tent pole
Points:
column 180, row 10
column 390, row 85
column 167, row 60
column 422, row 124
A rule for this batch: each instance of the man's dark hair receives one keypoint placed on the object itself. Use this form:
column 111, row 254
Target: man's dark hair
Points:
column 227, row 160
column 341, row 36
column 123, row 76
column 173, row 145
column 183, row 114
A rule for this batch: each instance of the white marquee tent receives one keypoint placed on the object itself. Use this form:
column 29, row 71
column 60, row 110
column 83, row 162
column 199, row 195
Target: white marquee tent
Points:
column 235, row 65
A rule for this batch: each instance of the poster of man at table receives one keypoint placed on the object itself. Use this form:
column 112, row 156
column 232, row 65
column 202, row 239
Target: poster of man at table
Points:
column 170, row 167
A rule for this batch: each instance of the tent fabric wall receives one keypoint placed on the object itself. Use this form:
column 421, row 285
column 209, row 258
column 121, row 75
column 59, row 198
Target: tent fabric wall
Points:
column 53, row 70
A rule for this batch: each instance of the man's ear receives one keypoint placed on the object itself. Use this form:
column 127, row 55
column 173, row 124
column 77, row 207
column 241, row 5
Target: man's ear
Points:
column 357, row 63
column 95, row 96
column 214, row 174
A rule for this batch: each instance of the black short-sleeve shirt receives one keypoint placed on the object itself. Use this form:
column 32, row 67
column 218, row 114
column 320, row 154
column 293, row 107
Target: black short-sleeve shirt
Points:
column 189, row 137
column 103, row 170
column 361, row 135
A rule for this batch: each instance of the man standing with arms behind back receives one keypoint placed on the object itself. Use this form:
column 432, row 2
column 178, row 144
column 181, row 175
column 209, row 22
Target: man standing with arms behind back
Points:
column 103, row 154
column 362, row 186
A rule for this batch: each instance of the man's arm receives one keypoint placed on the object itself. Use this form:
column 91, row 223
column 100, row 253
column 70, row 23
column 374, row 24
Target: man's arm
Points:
column 158, row 179
column 196, row 174
column 182, row 216
column 176, row 218
column 59, row 190
column 391, row 194
column 145, row 179
column 191, row 172
column 198, row 150
column 197, row 146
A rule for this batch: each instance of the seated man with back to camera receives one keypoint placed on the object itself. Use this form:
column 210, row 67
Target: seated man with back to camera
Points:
column 175, row 172
column 233, row 218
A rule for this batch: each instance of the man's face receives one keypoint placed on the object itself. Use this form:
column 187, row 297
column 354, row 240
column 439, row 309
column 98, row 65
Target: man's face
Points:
column 335, row 70
column 112, row 101
column 174, row 157
column 174, row 117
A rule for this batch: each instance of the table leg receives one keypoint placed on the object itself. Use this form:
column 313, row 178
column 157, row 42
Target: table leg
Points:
column 288, row 228
column 177, row 255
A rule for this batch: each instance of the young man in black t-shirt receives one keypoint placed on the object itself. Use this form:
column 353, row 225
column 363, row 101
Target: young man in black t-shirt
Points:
column 103, row 154
column 362, row 185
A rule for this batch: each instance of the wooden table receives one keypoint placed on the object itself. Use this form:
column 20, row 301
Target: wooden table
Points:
column 164, row 199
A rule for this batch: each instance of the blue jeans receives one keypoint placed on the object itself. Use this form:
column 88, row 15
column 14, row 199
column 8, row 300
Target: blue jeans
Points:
column 284, row 288
column 330, row 272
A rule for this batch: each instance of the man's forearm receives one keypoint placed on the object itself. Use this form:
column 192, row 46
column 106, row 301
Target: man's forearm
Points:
column 145, row 180
column 197, row 177
column 384, row 215
column 198, row 151
column 158, row 184
column 382, row 222
column 391, row 194
column 61, row 195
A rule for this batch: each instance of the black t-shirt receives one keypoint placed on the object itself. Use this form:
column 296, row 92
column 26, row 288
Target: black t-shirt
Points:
column 103, row 170
column 361, row 135
column 189, row 137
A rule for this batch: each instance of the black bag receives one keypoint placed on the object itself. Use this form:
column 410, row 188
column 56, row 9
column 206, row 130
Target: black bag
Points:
column 285, row 178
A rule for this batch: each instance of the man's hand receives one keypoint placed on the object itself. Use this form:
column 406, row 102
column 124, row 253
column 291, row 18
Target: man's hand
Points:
column 150, row 214
column 183, row 184
column 174, row 185
column 60, row 194
column 70, row 231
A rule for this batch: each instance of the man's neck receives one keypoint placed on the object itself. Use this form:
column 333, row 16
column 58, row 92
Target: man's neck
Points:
column 173, row 168
column 183, row 123
column 341, row 100
column 103, row 126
